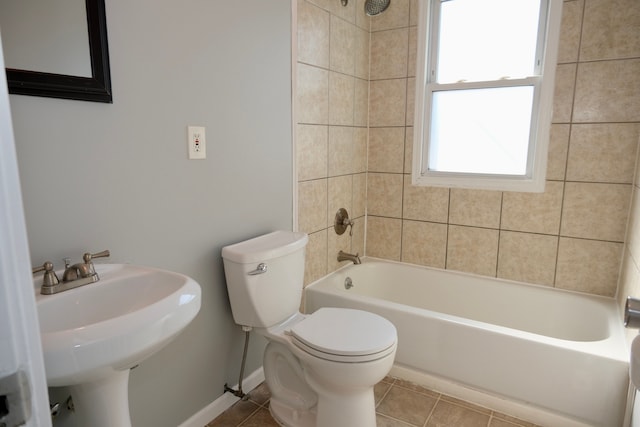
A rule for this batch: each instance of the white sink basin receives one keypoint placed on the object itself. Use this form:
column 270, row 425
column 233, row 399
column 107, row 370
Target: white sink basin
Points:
column 95, row 332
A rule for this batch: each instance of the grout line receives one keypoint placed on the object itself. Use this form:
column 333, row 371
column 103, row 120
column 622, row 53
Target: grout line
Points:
column 432, row 410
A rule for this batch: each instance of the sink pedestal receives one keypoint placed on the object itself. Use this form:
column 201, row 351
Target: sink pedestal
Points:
column 104, row 402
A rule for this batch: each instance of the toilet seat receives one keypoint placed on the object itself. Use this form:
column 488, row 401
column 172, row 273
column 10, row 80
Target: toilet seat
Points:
column 344, row 335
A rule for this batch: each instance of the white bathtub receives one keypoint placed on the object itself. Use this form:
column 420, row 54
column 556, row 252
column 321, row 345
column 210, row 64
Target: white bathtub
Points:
column 556, row 357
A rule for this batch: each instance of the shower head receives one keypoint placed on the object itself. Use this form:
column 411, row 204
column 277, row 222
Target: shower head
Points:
column 376, row 7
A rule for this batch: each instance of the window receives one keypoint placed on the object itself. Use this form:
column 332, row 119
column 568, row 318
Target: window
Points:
column 484, row 92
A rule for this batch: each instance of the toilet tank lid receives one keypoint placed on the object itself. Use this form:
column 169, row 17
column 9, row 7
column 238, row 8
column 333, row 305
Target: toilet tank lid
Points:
column 265, row 247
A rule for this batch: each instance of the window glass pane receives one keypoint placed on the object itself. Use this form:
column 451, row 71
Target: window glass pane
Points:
column 487, row 39
column 481, row 130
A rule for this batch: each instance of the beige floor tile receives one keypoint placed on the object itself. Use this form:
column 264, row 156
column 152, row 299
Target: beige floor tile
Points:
column 407, row 406
column 384, row 421
column 447, row 414
column 233, row 416
column 262, row 418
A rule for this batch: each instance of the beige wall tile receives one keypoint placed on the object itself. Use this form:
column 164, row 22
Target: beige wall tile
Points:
column 413, row 12
column 570, row 31
column 424, row 243
column 557, row 156
column 408, row 149
column 362, row 54
column 384, row 237
column 335, row 244
column 632, row 238
column 526, row 257
column 603, row 152
column 533, row 212
column 340, row 191
column 358, row 238
column 312, row 205
column 411, row 96
column 313, row 34
column 413, row 52
column 473, row 250
column 341, row 150
column 343, row 46
column 315, row 263
column 396, row 16
column 595, row 211
column 386, row 149
column 361, row 103
column 347, row 13
column 588, row 266
column 311, row 151
column 389, row 51
column 478, row 208
column 629, row 281
column 425, row 203
column 387, row 101
column 384, row 194
column 608, row 91
column 359, row 163
column 312, row 95
column 362, row 20
column 341, row 99
column 563, row 96
column 359, row 195
column 610, row 30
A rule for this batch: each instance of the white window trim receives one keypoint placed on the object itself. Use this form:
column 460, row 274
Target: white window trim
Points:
column 534, row 179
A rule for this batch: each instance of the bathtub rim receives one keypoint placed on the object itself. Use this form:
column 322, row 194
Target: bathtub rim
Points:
column 604, row 348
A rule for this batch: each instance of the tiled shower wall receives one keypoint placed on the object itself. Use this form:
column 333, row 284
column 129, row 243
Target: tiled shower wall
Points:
column 331, row 134
column 571, row 236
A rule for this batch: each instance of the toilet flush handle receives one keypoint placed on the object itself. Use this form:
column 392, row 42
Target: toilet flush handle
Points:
column 261, row 268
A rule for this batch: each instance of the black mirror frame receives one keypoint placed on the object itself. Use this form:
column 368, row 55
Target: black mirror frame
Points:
column 96, row 88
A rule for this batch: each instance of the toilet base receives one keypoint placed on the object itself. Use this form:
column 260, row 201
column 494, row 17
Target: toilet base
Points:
column 287, row 417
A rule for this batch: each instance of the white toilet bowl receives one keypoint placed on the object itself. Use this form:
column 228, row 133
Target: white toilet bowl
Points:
column 320, row 368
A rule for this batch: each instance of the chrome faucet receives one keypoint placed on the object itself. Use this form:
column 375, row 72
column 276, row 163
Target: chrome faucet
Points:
column 74, row 276
column 343, row 256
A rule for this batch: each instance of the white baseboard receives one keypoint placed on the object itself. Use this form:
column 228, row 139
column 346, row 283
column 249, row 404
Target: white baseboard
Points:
column 224, row 402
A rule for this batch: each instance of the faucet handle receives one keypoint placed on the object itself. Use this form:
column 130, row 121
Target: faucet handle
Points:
column 87, row 257
column 49, row 278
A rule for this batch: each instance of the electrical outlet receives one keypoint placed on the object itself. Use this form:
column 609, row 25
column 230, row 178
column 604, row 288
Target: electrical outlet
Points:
column 196, row 142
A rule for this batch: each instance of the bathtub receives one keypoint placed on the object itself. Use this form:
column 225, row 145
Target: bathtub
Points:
column 557, row 358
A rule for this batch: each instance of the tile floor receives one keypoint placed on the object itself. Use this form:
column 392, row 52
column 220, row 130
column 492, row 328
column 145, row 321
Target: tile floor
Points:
column 398, row 404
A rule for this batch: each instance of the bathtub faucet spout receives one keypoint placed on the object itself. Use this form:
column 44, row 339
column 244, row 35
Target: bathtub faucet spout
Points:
column 343, row 256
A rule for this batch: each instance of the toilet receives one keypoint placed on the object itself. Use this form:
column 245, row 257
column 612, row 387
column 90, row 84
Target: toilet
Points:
column 321, row 367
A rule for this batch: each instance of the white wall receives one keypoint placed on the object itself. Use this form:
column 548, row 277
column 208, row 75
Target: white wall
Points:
column 100, row 176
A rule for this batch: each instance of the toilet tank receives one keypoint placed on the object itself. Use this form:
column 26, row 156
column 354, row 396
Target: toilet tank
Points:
column 262, row 297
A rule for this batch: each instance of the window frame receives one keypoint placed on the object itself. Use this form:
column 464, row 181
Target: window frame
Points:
column 543, row 85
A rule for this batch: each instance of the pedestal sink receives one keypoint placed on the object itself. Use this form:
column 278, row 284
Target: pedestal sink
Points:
column 93, row 335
